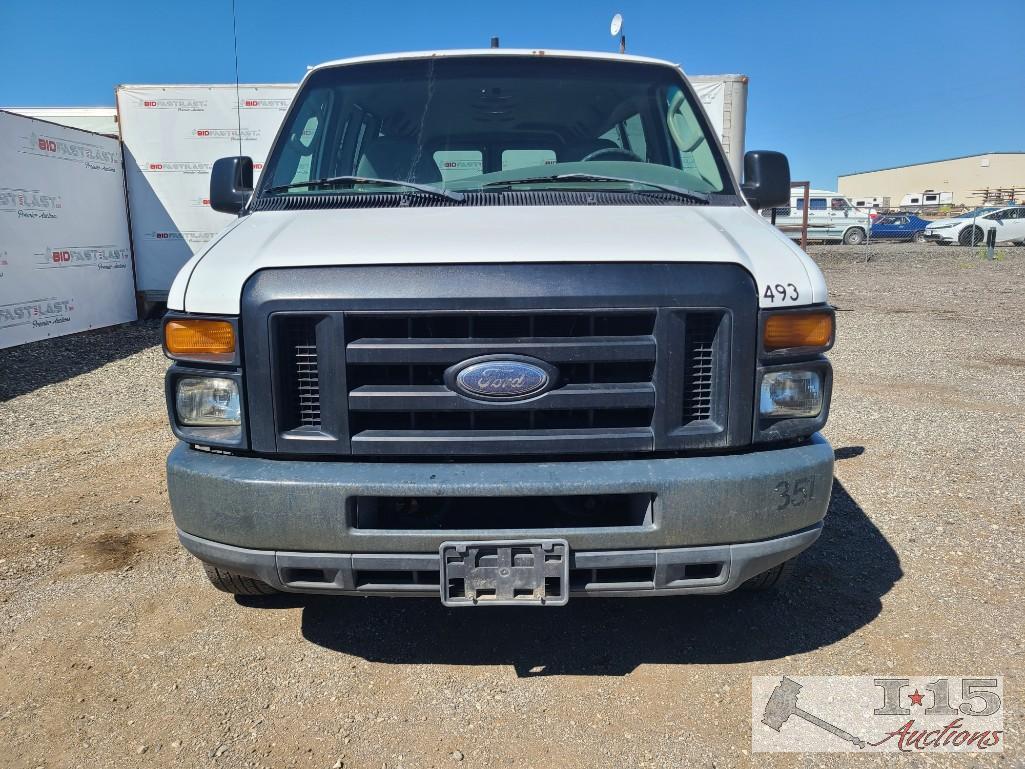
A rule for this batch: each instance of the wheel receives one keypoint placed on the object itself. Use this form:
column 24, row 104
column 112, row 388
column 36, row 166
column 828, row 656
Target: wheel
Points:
column 855, row 236
column 971, row 236
column 771, row 579
column 236, row 584
column 920, row 237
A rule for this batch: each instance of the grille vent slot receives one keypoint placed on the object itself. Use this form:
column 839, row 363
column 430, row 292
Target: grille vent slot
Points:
column 699, row 371
column 302, row 371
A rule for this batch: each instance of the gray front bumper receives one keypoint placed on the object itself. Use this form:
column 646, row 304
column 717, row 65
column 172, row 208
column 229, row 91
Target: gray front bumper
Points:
column 294, row 509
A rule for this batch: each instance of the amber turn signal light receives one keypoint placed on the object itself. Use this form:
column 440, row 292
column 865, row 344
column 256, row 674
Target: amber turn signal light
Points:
column 788, row 330
column 210, row 340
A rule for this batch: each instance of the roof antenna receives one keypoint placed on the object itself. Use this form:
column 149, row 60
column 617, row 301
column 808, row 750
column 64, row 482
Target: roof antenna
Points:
column 616, row 28
column 238, row 98
column 494, row 42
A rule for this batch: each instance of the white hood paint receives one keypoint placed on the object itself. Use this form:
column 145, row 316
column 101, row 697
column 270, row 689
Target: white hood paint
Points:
column 212, row 281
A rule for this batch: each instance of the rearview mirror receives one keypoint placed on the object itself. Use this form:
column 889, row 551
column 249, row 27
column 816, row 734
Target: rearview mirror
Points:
column 231, row 184
column 766, row 179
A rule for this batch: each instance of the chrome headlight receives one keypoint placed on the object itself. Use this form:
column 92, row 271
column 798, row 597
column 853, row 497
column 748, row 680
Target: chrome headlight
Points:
column 207, row 402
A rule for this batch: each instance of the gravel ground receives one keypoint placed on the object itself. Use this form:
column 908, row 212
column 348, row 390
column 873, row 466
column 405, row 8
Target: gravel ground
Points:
column 116, row 653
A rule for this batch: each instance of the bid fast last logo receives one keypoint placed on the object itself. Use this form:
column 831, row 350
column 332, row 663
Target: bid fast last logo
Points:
column 39, row 313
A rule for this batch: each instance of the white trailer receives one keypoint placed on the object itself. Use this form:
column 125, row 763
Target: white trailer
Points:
column 65, row 260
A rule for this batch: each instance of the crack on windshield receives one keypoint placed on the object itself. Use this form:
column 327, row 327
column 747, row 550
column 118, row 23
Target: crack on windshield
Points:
column 418, row 155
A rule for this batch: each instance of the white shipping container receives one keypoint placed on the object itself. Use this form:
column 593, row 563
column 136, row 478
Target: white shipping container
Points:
column 65, row 256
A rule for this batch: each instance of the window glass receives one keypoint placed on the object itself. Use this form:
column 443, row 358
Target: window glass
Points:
column 814, row 204
column 468, row 121
column 527, row 158
column 458, row 164
column 839, row 204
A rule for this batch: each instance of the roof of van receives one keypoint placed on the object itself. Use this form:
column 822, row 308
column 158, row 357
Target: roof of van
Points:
column 496, row 52
column 797, row 192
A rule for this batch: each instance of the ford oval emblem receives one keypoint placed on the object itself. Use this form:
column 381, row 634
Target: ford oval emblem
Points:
column 499, row 378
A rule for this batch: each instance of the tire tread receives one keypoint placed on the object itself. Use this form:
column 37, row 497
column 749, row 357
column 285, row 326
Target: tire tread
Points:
column 236, row 584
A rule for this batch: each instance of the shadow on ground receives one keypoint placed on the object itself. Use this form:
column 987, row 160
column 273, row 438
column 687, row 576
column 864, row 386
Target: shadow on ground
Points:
column 835, row 591
column 31, row 366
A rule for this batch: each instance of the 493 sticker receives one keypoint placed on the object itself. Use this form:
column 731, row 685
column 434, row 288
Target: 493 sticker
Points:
column 782, row 292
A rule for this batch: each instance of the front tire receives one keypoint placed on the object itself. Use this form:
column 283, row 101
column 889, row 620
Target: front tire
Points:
column 971, row 236
column 854, row 236
column 236, row 584
column 920, row 237
column 773, row 579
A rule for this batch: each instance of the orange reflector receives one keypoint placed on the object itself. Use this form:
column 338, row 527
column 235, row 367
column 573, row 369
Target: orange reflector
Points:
column 206, row 338
column 798, row 329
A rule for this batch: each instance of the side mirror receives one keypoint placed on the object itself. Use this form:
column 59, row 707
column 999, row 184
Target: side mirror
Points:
column 766, row 179
column 231, row 184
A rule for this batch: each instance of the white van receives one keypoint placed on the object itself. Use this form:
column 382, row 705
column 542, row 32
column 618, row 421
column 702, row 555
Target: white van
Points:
column 498, row 307
column 832, row 217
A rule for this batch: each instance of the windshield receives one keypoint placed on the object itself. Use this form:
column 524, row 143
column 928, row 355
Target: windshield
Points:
column 485, row 122
column 976, row 213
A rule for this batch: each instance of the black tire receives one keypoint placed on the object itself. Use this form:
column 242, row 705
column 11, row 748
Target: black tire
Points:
column 772, row 579
column 920, row 237
column 236, row 584
column 971, row 236
column 855, row 236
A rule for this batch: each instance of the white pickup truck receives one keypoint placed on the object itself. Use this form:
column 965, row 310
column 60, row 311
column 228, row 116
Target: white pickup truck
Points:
column 499, row 327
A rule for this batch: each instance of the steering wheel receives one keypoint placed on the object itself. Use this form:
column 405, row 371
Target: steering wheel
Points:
column 612, row 153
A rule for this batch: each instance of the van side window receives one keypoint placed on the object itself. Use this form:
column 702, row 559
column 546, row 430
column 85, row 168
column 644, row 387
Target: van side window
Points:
column 839, row 204
column 814, row 204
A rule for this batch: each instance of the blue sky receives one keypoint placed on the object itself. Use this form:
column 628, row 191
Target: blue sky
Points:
column 839, row 87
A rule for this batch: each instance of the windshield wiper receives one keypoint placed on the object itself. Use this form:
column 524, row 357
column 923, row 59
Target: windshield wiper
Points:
column 352, row 180
column 670, row 188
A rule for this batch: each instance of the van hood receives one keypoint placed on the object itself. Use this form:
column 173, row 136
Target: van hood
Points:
column 212, row 281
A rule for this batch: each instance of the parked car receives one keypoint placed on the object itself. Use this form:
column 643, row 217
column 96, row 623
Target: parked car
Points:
column 969, row 229
column 832, row 218
column 590, row 369
column 899, row 227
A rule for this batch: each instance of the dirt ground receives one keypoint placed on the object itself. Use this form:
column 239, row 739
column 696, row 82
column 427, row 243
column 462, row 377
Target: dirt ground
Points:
column 115, row 651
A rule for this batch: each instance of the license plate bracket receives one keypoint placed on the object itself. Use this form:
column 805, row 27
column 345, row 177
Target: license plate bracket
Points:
column 505, row 573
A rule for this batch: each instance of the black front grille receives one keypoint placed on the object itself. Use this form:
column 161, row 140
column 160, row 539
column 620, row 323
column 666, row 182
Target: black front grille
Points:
column 644, row 357
column 395, row 366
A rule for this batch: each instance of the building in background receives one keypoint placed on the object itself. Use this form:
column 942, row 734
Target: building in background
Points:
column 954, row 182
